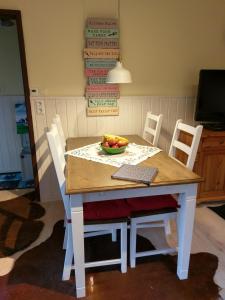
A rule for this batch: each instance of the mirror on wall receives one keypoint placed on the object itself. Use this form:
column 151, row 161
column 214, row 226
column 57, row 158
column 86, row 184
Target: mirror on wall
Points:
column 17, row 153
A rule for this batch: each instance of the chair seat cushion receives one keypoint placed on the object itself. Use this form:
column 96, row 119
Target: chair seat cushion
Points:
column 104, row 210
column 152, row 203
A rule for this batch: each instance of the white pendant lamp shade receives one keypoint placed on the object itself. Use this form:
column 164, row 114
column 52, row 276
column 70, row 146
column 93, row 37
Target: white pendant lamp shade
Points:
column 118, row 74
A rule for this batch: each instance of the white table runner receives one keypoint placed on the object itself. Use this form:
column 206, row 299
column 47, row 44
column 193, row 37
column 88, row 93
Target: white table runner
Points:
column 133, row 155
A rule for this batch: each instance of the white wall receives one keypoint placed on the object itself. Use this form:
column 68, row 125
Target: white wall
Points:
column 164, row 42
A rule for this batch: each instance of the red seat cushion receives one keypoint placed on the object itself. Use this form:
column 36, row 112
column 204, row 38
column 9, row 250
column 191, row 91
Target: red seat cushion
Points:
column 105, row 210
column 152, row 203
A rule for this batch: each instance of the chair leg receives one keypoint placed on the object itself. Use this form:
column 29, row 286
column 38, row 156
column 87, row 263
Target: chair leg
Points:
column 65, row 236
column 177, row 232
column 114, row 235
column 68, row 256
column 133, row 240
column 167, row 227
column 123, row 248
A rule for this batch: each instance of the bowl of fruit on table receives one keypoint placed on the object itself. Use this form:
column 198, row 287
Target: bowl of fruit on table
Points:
column 114, row 144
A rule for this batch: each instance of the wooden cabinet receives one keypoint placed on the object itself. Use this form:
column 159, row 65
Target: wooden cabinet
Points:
column 210, row 164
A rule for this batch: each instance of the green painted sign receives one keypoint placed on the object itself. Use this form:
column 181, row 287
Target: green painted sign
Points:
column 97, row 80
column 101, row 33
column 102, row 102
column 100, row 63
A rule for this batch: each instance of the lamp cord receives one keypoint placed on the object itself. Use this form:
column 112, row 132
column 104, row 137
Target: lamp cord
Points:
column 118, row 12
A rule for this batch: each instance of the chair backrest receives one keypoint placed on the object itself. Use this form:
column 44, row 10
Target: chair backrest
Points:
column 59, row 164
column 190, row 150
column 151, row 133
column 58, row 123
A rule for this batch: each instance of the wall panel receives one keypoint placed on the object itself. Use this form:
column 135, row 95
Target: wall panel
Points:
column 72, row 111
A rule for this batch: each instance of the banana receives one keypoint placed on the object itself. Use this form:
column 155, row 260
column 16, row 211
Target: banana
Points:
column 107, row 137
column 122, row 139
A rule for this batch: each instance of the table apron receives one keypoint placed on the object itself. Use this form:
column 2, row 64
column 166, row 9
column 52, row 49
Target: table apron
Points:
column 190, row 189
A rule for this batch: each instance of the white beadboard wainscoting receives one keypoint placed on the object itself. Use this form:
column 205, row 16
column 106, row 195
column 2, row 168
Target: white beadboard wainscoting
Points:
column 72, row 111
column 10, row 141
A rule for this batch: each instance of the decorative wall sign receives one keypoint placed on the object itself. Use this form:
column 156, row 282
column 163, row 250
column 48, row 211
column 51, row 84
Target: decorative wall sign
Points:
column 100, row 55
column 96, row 72
column 100, row 63
column 102, row 88
column 100, row 95
column 101, row 33
column 97, row 80
column 102, row 43
column 102, row 102
column 102, row 23
column 102, row 111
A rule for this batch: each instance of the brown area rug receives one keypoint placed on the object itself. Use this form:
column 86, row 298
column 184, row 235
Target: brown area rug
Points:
column 219, row 210
column 37, row 275
column 18, row 227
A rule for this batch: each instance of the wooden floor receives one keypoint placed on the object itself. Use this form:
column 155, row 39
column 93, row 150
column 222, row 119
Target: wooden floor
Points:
column 209, row 236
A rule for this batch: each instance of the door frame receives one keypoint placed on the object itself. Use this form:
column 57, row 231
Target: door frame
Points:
column 16, row 15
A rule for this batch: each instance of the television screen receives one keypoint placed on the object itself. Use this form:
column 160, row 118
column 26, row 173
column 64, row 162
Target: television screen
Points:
column 210, row 105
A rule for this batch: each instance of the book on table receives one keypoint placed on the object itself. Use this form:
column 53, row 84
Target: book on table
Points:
column 136, row 173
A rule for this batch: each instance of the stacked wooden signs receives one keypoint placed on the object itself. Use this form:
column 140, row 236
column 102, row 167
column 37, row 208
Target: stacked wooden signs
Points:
column 101, row 54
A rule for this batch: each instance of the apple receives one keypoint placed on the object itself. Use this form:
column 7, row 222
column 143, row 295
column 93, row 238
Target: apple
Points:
column 115, row 146
column 112, row 142
column 105, row 144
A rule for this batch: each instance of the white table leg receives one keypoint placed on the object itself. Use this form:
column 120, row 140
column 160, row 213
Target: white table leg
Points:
column 78, row 243
column 185, row 228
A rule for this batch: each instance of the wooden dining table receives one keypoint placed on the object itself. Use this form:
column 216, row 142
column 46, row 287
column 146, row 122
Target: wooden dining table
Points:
column 88, row 181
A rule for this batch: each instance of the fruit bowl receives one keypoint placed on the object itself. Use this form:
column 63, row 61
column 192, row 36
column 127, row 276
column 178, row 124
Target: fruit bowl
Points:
column 114, row 144
column 111, row 150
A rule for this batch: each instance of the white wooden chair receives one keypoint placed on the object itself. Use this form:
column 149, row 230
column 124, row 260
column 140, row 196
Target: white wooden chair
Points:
column 100, row 227
column 191, row 150
column 58, row 123
column 152, row 128
column 61, row 137
column 148, row 210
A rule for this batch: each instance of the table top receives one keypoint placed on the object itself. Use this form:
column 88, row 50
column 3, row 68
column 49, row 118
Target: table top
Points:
column 84, row 176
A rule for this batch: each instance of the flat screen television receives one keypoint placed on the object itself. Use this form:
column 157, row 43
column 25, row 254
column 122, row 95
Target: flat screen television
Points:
column 210, row 104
